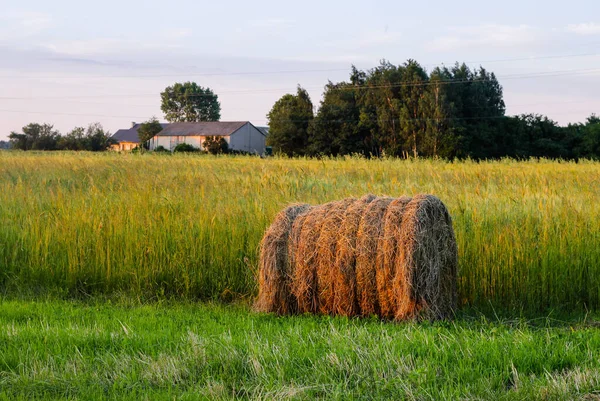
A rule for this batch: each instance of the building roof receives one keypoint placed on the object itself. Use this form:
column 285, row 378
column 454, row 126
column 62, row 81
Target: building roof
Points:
column 204, row 128
column 264, row 130
column 131, row 134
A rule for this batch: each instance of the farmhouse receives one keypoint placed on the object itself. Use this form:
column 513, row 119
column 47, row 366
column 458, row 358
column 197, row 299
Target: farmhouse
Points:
column 127, row 139
column 240, row 135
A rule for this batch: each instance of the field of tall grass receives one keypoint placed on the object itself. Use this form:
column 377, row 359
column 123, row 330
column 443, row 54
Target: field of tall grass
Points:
column 189, row 226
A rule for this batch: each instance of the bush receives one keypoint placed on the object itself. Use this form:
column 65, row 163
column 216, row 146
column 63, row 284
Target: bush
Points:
column 185, row 147
column 161, row 148
column 216, row 145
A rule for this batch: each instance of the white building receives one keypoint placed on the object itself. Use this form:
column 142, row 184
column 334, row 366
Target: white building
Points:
column 127, row 139
column 240, row 135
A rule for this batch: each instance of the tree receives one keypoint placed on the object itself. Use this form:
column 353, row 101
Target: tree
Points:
column 215, row 145
column 438, row 140
column 35, row 137
column 96, row 138
column 380, row 105
column 412, row 116
column 148, row 130
column 190, row 102
column 591, row 138
column 288, row 123
column 74, row 140
column 337, row 129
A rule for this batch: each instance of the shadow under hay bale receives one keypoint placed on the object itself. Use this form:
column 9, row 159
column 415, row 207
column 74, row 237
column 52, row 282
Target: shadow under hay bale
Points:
column 395, row 258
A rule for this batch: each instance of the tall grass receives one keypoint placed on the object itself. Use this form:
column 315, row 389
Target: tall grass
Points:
column 189, row 226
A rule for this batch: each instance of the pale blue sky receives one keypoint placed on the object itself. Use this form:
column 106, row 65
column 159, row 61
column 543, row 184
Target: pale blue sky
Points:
column 73, row 62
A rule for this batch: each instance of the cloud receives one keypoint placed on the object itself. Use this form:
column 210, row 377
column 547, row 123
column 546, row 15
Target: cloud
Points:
column 584, row 29
column 485, row 35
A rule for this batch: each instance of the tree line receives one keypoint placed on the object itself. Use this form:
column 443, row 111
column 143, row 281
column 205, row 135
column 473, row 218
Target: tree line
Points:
column 36, row 136
column 402, row 110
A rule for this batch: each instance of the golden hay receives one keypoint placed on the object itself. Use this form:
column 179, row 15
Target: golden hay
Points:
column 326, row 254
column 370, row 230
column 396, row 258
column 304, row 280
column 273, row 294
column 345, row 301
column 386, row 257
column 427, row 265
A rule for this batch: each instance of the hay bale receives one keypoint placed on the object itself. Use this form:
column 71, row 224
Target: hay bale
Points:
column 425, row 282
column 304, row 280
column 386, row 256
column 345, row 300
column 396, row 258
column 368, row 239
column 274, row 269
column 327, row 253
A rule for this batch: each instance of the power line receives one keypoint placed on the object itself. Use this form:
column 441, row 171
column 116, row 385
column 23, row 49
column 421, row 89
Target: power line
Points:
column 300, row 71
column 348, row 87
column 287, row 120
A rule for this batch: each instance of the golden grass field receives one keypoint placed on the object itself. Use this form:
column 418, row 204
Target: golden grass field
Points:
column 189, row 226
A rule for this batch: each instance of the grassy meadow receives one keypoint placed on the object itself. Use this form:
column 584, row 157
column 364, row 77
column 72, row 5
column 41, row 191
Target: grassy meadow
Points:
column 188, row 351
column 188, row 227
column 103, row 258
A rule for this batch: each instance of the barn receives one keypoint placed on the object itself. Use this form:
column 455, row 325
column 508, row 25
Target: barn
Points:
column 127, row 139
column 241, row 136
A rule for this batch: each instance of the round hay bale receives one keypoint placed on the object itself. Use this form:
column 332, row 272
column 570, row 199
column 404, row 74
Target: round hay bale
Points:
column 304, row 281
column 396, row 258
column 368, row 239
column 274, row 267
column 386, row 256
column 345, row 301
column 326, row 254
column 426, row 275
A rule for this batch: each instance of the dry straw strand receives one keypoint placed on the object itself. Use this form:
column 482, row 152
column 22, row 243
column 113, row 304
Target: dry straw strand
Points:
column 327, row 253
column 345, row 300
column 425, row 281
column 274, row 273
column 386, row 256
column 368, row 239
column 304, row 283
column 396, row 258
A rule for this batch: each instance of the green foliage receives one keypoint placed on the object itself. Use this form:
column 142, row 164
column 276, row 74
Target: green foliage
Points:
column 148, row 130
column 337, row 129
column 590, row 138
column 289, row 120
column 190, row 102
column 44, row 137
column 527, row 232
column 74, row 140
column 404, row 111
column 97, row 139
column 35, row 137
column 215, row 145
column 161, row 148
column 185, row 147
column 166, row 350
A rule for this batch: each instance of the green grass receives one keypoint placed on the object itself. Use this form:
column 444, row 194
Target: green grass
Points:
column 188, row 227
column 127, row 351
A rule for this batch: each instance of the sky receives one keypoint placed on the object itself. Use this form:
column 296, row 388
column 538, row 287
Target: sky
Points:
column 70, row 63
